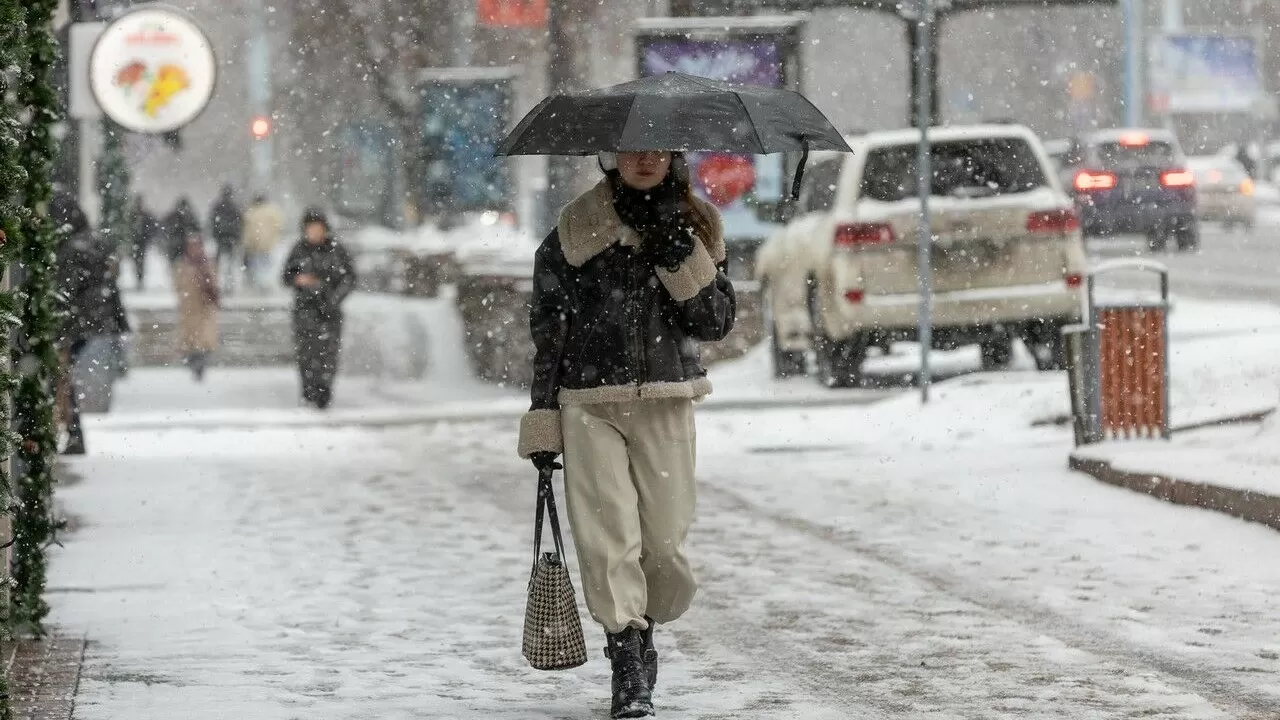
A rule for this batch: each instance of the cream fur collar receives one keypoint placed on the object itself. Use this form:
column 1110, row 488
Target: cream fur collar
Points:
column 589, row 224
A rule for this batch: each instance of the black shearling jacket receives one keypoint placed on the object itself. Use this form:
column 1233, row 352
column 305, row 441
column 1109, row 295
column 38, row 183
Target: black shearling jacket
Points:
column 610, row 327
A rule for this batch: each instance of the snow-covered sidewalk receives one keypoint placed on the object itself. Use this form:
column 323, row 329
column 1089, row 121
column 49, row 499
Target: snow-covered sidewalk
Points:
column 885, row 561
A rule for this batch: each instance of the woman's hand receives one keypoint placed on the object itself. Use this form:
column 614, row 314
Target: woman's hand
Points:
column 545, row 461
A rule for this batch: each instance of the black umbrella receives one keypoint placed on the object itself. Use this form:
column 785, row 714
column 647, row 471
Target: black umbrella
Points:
column 675, row 111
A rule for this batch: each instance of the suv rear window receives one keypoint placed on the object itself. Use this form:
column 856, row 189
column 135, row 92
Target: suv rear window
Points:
column 1152, row 153
column 967, row 168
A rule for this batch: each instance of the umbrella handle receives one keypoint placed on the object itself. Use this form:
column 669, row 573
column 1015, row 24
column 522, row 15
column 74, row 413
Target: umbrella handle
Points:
column 795, row 185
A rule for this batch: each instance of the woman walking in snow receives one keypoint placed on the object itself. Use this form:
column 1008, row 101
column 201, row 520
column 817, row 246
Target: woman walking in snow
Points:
column 196, row 284
column 625, row 287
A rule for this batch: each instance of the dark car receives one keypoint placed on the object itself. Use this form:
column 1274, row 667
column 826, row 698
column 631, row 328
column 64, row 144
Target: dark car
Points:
column 1134, row 181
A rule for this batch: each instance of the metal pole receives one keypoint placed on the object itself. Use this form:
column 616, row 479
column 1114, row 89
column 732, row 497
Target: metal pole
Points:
column 561, row 77
column 1134, row 21
column 259, row 67
column 924, row 238
column 1172, row 24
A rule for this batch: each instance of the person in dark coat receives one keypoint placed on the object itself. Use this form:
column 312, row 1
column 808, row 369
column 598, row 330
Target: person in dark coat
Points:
column 226, row 224
column 86, row 276
column 321, row 274
column 179, row 224
column 145, row 230
column 624, row 289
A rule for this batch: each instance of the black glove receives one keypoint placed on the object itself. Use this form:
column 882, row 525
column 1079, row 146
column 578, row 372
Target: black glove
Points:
column 670, row 242
column 545, row 461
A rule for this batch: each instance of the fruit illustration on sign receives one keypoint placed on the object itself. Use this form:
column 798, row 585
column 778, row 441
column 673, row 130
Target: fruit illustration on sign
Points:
column 725, row 178
column 131, row 74
column 169, row 81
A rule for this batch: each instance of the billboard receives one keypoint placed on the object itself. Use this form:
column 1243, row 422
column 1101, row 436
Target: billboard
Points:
column 754, row 54
column 462, row 119
column 1205, row 73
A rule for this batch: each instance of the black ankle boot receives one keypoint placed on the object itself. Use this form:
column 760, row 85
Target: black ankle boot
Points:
column 631, row 694
column 650, row 657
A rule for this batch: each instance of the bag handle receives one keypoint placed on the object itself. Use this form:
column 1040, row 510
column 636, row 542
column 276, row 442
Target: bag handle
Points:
column 547, row 503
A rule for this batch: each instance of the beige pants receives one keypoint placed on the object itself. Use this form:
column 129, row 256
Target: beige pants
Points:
column 630, row 492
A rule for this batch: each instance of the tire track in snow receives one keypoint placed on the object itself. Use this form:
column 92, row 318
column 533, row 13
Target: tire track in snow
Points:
column 1237, row 700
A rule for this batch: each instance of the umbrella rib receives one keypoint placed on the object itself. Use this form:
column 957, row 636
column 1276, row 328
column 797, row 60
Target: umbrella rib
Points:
column 754, row 129
column 627, row 123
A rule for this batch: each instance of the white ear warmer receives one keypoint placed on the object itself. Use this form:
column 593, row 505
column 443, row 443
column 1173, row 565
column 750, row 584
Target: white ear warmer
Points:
column 608, row 161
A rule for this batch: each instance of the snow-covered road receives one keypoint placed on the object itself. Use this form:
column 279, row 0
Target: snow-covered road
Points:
column 856, row 562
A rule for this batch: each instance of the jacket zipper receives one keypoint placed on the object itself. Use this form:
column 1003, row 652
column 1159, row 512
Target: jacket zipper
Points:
column 637, row 332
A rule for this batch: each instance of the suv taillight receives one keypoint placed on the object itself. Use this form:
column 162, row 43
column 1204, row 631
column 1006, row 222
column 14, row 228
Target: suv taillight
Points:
column 1177, row 178
column 1053, row 221
column 854, row 234
column 1087, row 180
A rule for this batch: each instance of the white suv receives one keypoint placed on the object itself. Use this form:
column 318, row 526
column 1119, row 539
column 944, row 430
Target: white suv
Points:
column 1008, row 256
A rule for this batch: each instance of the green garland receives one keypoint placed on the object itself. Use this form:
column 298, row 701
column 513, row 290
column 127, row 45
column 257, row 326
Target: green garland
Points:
column 36, row 356
column 13, row 178
column 113, row 184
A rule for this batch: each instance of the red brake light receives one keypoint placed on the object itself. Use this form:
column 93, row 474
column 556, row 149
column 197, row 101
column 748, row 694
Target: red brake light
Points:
column 1053, row 221
column 851, row 234
column 854, row 296
column 1086, row 180
column 1178, row 178
column 1075, row 280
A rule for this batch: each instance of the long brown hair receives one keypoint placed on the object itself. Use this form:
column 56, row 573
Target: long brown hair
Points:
column 704, row 226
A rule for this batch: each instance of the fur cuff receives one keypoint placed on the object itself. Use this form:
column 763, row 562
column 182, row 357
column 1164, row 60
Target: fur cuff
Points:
column 540, row 432
column 694, row 274
column 695, row 389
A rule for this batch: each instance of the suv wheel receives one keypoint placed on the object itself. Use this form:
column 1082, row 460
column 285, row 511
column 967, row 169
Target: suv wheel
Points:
column 1157, row 239
column 840, row 361
column 997, row 352
column 1188, row 235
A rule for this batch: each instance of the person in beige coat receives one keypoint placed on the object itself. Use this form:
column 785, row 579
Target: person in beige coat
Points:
column 263, row 228
column 624, row 290
column 196, row 284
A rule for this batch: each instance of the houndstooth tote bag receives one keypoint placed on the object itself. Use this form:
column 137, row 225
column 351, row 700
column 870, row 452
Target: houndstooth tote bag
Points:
column 552, row 629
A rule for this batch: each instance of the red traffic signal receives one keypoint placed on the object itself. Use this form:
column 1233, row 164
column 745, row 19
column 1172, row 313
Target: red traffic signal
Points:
column 260, row 127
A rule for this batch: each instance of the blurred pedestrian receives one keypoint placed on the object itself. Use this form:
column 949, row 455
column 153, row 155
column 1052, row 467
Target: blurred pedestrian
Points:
column 263, row 226
column 226, row 224
column 196, row 284
column 178, row 224
column 86, row 277
column 320, row 273
column 145, row 228
column 624, row 289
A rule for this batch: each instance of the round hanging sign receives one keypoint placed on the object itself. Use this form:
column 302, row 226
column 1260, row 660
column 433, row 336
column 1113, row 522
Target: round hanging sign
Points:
column 152, row 70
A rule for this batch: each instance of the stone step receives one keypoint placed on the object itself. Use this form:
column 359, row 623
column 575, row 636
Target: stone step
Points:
column 246, row 337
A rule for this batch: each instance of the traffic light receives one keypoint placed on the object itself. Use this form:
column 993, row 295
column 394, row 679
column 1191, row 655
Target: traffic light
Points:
column 260, row 128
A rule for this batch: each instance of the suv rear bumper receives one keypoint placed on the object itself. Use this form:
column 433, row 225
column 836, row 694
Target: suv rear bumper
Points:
column 1099, row 217
column 896, row 316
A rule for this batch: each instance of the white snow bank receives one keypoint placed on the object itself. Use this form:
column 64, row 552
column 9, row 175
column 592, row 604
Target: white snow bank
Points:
column 483, row 240
column 1244, row 457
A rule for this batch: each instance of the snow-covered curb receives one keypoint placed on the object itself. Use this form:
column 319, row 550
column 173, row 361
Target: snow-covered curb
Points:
column 1250, row 505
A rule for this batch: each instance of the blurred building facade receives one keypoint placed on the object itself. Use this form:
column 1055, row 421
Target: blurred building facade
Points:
column 1060, row 70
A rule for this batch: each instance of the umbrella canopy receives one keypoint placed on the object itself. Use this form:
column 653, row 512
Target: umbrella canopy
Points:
column 673, row 111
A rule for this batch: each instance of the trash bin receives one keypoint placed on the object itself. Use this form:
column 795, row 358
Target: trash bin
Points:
column 1118, row 363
